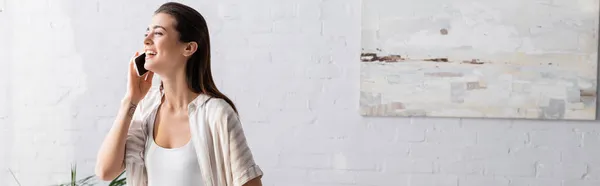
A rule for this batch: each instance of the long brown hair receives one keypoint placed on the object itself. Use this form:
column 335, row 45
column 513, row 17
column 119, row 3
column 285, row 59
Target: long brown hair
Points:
column 192, row 26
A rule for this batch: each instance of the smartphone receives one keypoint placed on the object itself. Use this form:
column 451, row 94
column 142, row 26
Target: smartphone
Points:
column 139, row 64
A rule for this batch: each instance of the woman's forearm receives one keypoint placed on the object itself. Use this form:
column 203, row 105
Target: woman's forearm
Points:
column 254, row 182
column 112, row 151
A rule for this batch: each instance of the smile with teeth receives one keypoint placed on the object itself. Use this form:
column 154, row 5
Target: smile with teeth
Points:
column 150, row 53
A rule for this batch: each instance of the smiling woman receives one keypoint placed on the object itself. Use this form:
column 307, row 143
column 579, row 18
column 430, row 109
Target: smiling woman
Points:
column 186, row 132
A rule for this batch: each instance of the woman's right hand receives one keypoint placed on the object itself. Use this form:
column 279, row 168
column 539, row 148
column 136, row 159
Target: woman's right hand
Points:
column 137, row 86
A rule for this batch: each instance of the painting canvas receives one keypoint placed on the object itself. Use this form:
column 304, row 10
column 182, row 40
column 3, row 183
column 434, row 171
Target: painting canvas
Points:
column 479, row 58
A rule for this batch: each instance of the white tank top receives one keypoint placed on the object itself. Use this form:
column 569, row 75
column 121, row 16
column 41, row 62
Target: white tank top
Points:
column 175, row 166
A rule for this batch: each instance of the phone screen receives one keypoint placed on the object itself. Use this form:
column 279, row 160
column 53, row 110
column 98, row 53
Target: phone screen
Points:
column 139, row 64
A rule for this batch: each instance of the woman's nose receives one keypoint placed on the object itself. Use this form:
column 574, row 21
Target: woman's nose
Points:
column 147, row 41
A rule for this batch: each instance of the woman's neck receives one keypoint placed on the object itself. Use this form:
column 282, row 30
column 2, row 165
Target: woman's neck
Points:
column 177, row 93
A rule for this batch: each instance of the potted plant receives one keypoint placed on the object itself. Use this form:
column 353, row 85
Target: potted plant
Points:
column 87, row 181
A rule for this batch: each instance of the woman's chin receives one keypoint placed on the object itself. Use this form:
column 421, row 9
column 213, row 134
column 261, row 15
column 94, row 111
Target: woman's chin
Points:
column 153, row 68
column 149, row 65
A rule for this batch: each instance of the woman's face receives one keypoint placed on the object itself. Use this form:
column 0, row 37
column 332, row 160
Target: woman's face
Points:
column 165, row 54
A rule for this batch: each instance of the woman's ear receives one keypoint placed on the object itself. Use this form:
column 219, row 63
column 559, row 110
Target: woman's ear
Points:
column 190, row 48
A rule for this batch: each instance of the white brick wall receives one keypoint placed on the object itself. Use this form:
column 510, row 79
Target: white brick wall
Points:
column 291, row 67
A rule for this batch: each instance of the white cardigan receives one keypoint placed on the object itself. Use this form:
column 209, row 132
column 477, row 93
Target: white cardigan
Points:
column 217, row 135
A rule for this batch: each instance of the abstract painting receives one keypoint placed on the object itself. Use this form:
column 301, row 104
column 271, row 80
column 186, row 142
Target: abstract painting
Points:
column 479, row 59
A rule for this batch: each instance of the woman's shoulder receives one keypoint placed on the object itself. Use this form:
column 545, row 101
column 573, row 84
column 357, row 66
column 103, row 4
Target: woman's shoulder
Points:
column 217, row 109
column 218, row 106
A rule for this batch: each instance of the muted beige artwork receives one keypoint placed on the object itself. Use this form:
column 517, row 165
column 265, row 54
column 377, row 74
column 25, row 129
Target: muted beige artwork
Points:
column 532, row 59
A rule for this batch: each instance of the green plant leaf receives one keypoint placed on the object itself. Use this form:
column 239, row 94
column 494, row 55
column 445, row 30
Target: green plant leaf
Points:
column 86, row 180
column 89, row 180
column 74, row 175
column 118, row 181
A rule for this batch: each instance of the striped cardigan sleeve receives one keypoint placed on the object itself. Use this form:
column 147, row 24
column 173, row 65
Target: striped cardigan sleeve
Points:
column 135, row 144
column 240, row 158
column 134, row 148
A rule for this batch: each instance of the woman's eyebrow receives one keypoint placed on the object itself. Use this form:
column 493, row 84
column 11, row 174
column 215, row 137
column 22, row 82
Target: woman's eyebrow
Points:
column 155, row 27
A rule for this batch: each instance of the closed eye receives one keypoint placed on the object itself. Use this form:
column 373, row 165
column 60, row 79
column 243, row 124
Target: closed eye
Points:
column 155, row 33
